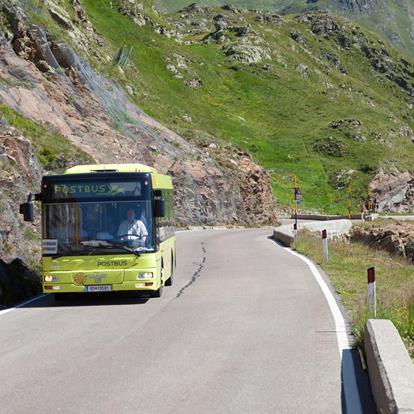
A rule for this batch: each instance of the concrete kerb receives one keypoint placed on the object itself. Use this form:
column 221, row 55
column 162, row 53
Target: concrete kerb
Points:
column 390, row 368
column 285, row 233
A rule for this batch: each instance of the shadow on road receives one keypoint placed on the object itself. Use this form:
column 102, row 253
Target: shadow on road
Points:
column 91, row 299
column 356, row 392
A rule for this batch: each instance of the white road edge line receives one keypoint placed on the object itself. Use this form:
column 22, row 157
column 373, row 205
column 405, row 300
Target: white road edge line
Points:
column 350, row 387
column 20, row 305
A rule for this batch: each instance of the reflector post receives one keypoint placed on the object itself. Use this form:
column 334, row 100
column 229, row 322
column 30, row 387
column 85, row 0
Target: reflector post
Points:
column 325, row 246
column 371, row 275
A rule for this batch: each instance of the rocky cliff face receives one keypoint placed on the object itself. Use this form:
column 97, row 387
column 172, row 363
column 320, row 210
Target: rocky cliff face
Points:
column 20, row 173
column 395, row 238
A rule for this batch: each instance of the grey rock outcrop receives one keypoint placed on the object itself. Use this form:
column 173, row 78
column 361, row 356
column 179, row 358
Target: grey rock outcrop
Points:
column 268, row 17
column 134, row 10
column 246, row 52
column 393, row 192
column 324, row 25
column 395, row 238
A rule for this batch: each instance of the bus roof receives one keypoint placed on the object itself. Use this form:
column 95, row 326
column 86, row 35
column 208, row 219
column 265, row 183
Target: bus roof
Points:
column 158, row 180
column 84, row 169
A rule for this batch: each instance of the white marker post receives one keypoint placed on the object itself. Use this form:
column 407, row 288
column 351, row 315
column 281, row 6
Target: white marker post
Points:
column 372, row 292
column 295, row 233
column 325, row 246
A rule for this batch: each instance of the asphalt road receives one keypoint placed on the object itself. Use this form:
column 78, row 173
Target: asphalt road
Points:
column 244, row 329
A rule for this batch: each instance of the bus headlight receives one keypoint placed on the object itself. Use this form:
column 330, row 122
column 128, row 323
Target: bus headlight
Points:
column 148, row 275
column 49, row 278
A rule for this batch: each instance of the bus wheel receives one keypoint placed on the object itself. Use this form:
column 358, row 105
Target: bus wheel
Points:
column 156, row 293
column 60, row 297
column 169, row 281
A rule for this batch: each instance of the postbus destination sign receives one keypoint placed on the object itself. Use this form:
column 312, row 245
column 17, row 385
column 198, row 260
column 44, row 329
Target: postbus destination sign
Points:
column 87, row 190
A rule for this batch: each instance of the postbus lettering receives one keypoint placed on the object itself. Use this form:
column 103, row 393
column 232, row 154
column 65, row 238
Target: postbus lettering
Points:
column 113, row 263
column 88, row 189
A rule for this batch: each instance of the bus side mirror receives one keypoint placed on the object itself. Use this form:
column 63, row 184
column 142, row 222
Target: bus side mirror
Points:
column 27, row 209
column 159, row 208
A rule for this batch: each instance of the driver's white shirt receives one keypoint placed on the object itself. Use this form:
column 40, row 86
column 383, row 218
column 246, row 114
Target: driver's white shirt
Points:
column 134, row 227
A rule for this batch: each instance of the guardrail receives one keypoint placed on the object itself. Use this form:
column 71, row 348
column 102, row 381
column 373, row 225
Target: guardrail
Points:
column 390, row 368
column 322, row 217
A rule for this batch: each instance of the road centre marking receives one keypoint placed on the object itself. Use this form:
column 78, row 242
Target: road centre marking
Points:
column 349, row 381
column 20, row 305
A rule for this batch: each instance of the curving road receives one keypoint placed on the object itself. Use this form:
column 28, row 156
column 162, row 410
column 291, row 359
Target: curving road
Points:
column 245, row 329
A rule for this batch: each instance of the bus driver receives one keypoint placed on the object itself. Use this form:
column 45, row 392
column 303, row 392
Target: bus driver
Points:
column 132, row 226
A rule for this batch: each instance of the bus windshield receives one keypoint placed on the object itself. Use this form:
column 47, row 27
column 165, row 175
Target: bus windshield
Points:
column 101, row 227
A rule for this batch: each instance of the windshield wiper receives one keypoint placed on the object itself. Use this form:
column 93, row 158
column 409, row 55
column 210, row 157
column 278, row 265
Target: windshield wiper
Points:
column 94, row 245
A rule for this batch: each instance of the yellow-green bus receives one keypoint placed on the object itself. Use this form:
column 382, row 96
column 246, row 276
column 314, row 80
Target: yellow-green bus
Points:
column 106, row 228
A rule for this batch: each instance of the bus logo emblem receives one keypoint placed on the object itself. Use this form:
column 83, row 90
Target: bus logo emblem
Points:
column 80, row 279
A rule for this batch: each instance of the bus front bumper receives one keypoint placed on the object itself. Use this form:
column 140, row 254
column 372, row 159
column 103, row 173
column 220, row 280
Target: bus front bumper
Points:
column 139, row 285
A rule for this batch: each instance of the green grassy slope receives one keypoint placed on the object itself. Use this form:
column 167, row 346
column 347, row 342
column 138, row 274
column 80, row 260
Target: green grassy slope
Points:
column 392, row 19
column 170, row 6
column 281, row 118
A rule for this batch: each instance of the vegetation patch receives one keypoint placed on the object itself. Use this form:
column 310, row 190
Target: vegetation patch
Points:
column 347, row 268
column 55, row 152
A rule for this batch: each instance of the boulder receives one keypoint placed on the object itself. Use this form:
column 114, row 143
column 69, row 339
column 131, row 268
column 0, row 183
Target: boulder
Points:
column 195, row 8
column 194, row 83
column 61, row 19
column 297, row 36
column 268, row 17
column 303, row 71
column 340, row 123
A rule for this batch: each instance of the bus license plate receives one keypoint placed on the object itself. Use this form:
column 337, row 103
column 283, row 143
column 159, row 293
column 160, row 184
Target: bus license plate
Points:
column 98, row 288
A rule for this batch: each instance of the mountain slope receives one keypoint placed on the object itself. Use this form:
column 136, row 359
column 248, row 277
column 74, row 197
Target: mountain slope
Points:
column 392, row 19
column 311, row 95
